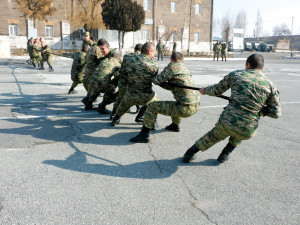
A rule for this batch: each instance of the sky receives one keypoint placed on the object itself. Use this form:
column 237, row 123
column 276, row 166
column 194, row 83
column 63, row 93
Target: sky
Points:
column 273, row 12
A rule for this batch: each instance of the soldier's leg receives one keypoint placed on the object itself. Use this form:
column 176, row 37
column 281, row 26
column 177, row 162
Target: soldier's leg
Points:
column 154, row 108
column 86, row 82
column 121, row 94
column 123, row 107
column 214, row 56
column 217, row 134
column 108, row 98
column 91, row 98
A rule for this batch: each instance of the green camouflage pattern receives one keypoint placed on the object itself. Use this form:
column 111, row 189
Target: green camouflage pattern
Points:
column 92, row 61
column 217, row 48
column 47, row 55
column 123, row 78
column 88, row 42
column 139, row 91
column 168, row 108
column 36, row 58
column 219, row 133
column 100, row 81
column 177, row 73
column 250, row 92
column 78, row 65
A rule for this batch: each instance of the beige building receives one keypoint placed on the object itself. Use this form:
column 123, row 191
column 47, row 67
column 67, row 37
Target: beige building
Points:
column 168, row 20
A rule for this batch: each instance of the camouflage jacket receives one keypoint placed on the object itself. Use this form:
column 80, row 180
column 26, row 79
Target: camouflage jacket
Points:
column 250, row 92
column 123, row 77
column 141, row 70
column 35, row 52
column 177, row 73
column 89, row 42
column 79, row 63
column 47, row 52
column 217, row 47
column 160, row 46
column 92, row 60
column 102, row 76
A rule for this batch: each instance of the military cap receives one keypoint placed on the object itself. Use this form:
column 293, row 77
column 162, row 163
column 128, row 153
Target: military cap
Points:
column 86, row 33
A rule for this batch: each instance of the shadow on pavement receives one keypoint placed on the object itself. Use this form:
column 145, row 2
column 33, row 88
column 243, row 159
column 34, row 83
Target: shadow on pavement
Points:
column 157, row 169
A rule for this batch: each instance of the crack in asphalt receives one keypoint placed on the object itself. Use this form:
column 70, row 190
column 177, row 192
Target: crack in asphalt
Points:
column 155, row 160
column 203, row 213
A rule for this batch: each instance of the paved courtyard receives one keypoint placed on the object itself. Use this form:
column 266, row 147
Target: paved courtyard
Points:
column 60, row 164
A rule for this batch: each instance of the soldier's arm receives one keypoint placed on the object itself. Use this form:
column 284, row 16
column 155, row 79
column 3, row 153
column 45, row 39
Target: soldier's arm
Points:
column 221, row 87
column 273, row 107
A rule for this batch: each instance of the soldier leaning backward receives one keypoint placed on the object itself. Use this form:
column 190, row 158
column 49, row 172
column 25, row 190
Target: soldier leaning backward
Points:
column 141, row 69
column 46, row 57
column 186, row 104
column 252, row 95
column 78, row 66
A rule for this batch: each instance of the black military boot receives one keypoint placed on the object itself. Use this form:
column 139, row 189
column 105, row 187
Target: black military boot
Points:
column 101, row 108
column 142, row 137
column 190, row 154
column 37, row 66
column 89, row 106
column 85, row 99
column 140, row 116
column 173, row 127
column 72, row 91
column 225, row 153
column 51, row 69
column 41, row 66
column 113, row 113
column 137, row 108
column 115, row 120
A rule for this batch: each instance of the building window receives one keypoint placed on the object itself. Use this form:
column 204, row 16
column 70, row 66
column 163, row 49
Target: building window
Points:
column 197, row 9
column 196, row 37
column 173, row 36
column 49, row 31
column 173, row 6
column 13, row 29
column 145, row 35
column 146, row 4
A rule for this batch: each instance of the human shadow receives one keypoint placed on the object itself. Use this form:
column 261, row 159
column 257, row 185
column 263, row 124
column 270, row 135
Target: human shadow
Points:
column 153, row 169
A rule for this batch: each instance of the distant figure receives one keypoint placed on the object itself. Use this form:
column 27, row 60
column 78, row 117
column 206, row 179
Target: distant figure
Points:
column 174, row 47
column 224, row 50
column 87, row 40
column 160, row 49
column 217, row 49
column 46, row 56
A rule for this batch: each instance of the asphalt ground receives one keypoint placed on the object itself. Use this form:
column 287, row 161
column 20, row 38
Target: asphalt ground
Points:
column 60, row 164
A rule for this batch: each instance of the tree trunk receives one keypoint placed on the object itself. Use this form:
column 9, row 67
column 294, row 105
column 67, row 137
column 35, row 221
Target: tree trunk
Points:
column 119, row 40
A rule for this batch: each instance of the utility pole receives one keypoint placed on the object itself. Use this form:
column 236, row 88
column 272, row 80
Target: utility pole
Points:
column 292, row 37
column 188, row 51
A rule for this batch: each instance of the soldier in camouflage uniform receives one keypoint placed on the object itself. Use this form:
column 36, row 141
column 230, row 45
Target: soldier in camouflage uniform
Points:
column 46, row 57
column 29, row 47
column 101, row 82
column 160, row 50
column 123, row 77
column 186, row 104
column 217, row 50
column 36, row 58
column 93, row 59
column 141, row 69
column 223, row 50
column 87, row 40
column 78, row 65
column 252, row 95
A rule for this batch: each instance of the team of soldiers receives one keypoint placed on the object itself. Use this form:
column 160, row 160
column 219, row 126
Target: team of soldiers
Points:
column 253, row 95
column 39, row 52
column 220, row 48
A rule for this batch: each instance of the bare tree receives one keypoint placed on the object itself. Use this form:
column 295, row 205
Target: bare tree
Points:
column 258, row 27
column 226, row 27
column 35, row 9
column 241, row 21
column 281, row 30
column 87, row 14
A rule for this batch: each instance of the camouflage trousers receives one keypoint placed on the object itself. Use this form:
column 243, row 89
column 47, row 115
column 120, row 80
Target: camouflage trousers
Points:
column 219, row 133
column 47, row 59
column 120, row 96
column 77, row 78
column 109, row 91
column 223, row 55
column 86, row 80
column 160, row 55
column 216, row 54
column 168, row 108
column 36, row 59
column 128, row 101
